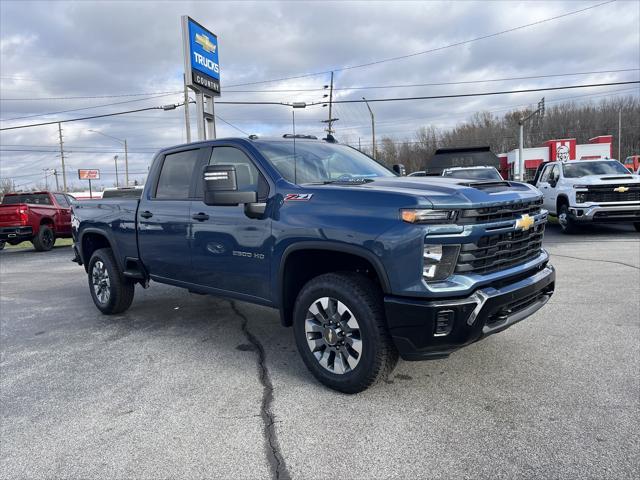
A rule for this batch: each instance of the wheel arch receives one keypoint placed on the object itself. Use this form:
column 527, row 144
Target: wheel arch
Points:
column 561, row 200
column 303, row 261
column 91, row 239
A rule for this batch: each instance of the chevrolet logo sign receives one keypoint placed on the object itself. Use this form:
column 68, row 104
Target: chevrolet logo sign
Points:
column 621, row 189
column 206, row 44
column 524, row 223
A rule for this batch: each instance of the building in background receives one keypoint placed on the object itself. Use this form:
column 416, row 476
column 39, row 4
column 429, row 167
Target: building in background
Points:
column 552, row 150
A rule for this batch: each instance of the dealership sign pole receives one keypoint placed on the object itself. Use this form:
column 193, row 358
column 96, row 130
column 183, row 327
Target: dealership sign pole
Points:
column 87, row 174
column 201, row 73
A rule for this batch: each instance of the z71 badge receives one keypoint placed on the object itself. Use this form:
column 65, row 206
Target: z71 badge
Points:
column 298, row 197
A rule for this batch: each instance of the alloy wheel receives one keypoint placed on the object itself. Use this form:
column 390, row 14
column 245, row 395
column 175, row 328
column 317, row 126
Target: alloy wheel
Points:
column 333, row 335
column 100, row 282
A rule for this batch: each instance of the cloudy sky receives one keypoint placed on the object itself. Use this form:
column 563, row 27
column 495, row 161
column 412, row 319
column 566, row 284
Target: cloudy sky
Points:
column 123, row 55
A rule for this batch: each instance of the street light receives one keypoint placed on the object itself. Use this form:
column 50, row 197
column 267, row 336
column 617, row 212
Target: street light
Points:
column 126, row 155
column 373, row 128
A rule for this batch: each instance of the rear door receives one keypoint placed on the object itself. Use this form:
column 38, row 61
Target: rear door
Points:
column 231, row 251
column 63, row 219
column 163, row 219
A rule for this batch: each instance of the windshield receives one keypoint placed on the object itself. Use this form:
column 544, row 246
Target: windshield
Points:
column 582, row 169
column 474, row 174
column 31, row 198
column 318, row 162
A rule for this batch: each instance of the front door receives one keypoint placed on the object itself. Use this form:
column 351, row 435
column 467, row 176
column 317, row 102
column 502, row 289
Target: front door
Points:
column 63, row 222
column 231, row 251
column 164, row 217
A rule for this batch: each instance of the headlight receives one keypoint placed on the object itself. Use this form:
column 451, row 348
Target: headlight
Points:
column 438, row 261
column 427, row 215
column 581, row 197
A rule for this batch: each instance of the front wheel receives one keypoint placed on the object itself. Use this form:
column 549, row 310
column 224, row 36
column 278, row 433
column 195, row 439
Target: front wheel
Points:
column 567, row 224
column 111, row 292
column 340, row 331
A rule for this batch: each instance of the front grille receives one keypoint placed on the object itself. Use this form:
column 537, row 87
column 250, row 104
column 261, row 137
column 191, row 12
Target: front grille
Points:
column 502, row 212
column 500, row 251
column 606, row 193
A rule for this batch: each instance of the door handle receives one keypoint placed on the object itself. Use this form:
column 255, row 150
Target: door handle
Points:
column 146, row 214
column 201, row 217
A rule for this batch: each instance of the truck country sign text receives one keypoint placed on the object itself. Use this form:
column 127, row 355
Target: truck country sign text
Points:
column 203, row 58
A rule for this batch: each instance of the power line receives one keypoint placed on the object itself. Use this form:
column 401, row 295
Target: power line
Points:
column 31, row 99
column 444, row 47
column 482, row 94
column 84, row 108
column 166, row 107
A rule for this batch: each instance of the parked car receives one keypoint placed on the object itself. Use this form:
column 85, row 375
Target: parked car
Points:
column 589, row 191
column 473, row 173
column 632, row 163
column 38, row 217
column 364, row 264
column 123, row 192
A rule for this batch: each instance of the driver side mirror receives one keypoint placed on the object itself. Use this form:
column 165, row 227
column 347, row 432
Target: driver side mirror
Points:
column 221, row 187
column 399, row 169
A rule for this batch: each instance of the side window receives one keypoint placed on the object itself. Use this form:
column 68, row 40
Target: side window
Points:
column 61, row 199
column 545, row 174
column 175, row 177
column 246, row 172
column 553, row 174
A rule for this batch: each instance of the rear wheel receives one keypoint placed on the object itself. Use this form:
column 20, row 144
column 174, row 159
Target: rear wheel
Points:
column 111, row 292
column 567, row 224
column 45, row 239
column 341, row 334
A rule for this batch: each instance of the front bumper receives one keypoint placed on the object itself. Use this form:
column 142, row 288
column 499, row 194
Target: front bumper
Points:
column 424, row 330
column 621, row 213
column 9, row 234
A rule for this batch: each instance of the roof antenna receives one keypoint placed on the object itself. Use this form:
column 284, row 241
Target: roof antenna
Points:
column 295, row 169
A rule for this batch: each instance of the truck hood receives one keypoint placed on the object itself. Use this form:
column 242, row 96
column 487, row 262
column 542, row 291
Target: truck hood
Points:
column 446, row 192
column 604, row 179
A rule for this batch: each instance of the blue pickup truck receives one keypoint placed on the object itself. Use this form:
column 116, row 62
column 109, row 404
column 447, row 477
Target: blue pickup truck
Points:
column 367, row 266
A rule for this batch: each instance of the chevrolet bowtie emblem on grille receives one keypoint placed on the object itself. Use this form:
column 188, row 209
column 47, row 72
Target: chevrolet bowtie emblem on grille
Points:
column 205, row 43
column 524, row 223
column 621, row 189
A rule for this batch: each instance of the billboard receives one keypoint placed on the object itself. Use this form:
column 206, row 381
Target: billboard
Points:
column 89, row 174
column 201, row 65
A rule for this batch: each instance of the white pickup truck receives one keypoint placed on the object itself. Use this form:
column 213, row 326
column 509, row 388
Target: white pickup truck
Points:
column 589, row 191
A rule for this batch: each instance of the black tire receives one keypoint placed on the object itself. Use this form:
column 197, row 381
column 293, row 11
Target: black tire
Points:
column 44, row 240
column 636, row 225
column 567, row 224
column 116, row 293
column 363, row 298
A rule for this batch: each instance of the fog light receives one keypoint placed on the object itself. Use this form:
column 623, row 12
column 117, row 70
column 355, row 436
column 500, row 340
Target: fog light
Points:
column 444, row 323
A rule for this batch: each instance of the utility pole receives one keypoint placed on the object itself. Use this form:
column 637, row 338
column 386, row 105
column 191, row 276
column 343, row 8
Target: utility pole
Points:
column 126, row 164
column 619, row 133
column 187, row 120
column 55, row 174
column 64, row 172
column 46, row 182
column 540, row 111
column 115, row 160
column 373, row 128
column 330, row 120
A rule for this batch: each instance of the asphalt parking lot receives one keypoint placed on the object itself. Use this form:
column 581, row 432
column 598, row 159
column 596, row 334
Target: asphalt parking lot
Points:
column 191, row 386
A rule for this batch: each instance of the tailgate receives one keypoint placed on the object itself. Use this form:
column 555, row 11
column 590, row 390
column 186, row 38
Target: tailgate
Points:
column 10, row 214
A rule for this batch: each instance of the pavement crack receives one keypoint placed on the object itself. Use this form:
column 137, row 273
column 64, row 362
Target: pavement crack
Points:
column 596, row 260
column 272, row 447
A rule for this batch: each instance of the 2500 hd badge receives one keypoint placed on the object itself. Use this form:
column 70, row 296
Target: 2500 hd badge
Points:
column 375, row 268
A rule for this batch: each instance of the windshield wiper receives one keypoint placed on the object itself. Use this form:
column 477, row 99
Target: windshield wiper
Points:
column 348, row 181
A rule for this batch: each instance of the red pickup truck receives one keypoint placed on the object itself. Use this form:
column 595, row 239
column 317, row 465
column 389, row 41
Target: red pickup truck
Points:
column 39, row 217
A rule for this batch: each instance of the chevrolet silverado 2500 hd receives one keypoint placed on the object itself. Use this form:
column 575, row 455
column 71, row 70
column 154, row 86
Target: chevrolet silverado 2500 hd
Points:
column 364, row 264
column 589, row 191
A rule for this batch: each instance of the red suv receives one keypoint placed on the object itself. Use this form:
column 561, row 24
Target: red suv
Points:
column 39, row 217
